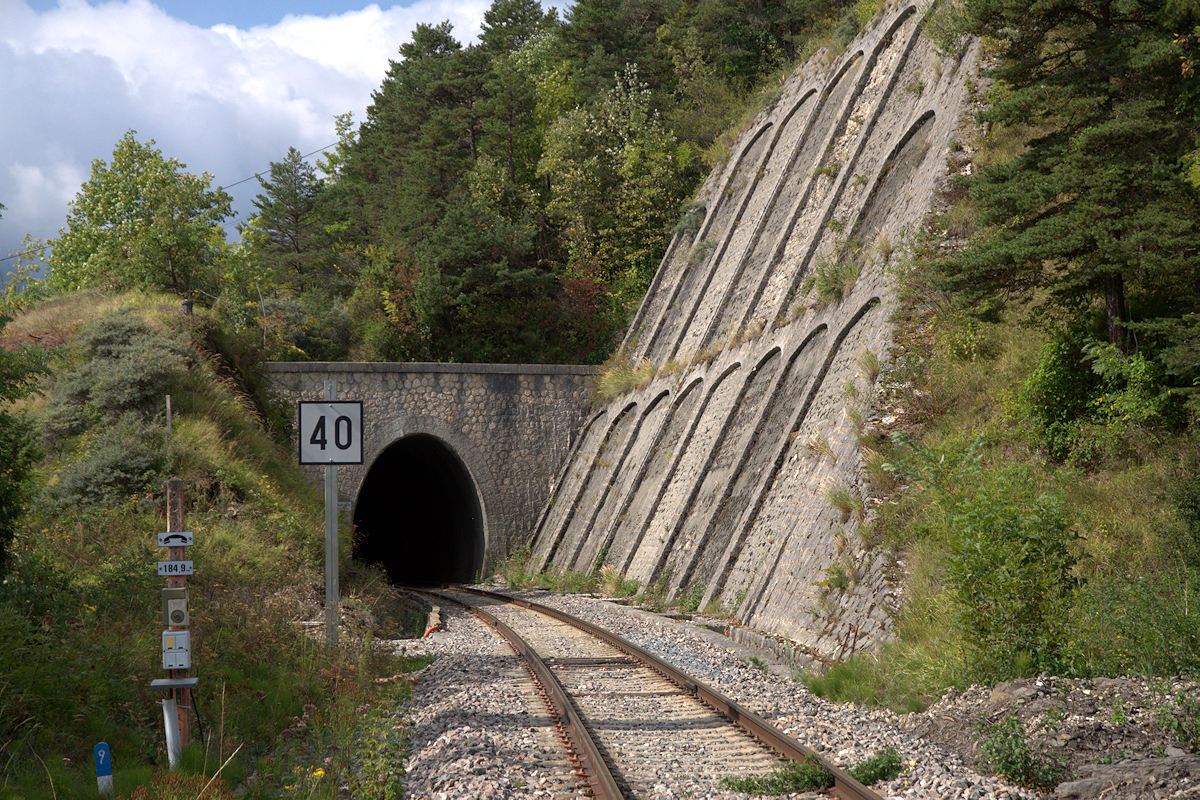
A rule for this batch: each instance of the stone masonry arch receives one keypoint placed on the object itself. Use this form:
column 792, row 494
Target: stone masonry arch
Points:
column 511, row 426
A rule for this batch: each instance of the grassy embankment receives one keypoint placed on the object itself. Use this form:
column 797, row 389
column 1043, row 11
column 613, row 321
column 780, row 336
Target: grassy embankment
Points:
column 1044, row 499
column 79, row 604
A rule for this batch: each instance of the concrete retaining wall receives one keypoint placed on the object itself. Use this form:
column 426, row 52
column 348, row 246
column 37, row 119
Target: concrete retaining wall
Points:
column 721, row 478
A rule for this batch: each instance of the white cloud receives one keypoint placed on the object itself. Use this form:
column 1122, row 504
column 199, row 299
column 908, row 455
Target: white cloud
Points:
column 222, row 100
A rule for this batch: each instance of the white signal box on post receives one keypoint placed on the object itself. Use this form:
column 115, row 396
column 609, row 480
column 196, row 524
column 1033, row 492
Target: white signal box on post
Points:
column 177, row 649
column 331, row 432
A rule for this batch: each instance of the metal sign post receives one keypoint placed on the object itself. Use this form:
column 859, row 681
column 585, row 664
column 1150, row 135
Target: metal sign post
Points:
column 178, row 580
column 331, row 434
column 331, row 540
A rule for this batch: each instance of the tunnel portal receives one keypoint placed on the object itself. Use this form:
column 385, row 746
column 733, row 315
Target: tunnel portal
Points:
column 418, row 515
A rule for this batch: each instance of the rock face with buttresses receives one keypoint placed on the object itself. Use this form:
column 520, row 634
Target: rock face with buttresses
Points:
column 734, row 476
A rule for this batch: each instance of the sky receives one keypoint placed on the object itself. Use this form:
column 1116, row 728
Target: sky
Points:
column 224, row 86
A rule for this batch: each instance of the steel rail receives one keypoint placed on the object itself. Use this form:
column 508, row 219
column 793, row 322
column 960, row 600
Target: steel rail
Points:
column 844, row 785
column 599, row 777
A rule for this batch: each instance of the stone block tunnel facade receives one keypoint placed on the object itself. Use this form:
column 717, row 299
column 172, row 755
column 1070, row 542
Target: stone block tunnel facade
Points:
column 733, row 478
column 458, row 459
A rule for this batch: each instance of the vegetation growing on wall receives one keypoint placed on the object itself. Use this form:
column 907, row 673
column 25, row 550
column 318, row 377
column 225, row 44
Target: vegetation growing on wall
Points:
column 1046, row 518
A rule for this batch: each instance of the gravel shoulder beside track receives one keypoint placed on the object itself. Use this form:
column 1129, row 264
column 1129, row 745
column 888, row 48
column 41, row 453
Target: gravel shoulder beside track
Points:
column 845, row 734
column 476, row 733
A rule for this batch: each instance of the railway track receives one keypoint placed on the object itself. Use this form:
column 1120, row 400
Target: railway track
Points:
column 625, row 715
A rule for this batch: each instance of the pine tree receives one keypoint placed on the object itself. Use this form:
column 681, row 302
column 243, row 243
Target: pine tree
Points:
column 290, row 241
column 1096, row 210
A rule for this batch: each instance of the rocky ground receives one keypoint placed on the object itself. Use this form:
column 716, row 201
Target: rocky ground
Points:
column 1108, row 737
column 474, row 735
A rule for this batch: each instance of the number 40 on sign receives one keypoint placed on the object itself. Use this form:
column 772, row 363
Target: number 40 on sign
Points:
column 331, row 432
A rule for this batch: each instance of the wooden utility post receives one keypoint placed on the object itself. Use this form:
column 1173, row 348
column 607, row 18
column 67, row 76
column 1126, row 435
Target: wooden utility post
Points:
column 183, row 697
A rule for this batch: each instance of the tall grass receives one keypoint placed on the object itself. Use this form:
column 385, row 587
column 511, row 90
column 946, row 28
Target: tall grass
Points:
column 80, row 611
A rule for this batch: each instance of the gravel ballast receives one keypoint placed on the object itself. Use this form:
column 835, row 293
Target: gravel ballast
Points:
column 478, row 728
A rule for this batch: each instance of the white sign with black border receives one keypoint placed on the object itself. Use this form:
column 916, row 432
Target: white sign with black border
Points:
column 169, row 568
column 331, row 432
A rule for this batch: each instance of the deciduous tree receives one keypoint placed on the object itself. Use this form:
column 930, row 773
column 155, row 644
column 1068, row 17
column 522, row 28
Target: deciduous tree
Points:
column 141, row 221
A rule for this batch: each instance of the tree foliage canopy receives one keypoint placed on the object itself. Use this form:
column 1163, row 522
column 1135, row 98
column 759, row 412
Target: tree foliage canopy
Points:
column 507, row 199
column 141, row 221
column 1096, row 213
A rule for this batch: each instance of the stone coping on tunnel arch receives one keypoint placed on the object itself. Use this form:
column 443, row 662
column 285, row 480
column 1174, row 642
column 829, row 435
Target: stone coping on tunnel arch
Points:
column 430, row 366
column 511, row 426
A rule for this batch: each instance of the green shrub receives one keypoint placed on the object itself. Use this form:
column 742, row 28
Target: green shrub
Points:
column 121, row 461
column 1132, row 387
column 691, row 220
column 125, row 367
column 1008, row 750
column 299, row 330
column 847, row 28
column 1137, row 623
column 1179, row 716
column 1010, row 567
column 20, row 455
column 1092, row 404
column 1056, row 395
column 883, row 766
column 1185, row 494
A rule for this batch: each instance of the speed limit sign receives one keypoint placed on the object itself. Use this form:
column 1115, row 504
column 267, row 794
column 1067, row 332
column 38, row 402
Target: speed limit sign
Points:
column 331, row 432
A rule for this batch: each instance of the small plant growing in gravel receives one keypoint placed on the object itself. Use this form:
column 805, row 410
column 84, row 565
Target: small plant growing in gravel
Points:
column 689, row 599
column 883, row 766
column 515, row 569
column 833, row 279
column 700, row 251
column 884, row 247
column 868, row 364
column 1179, row 716
column 1118, row 715
column 612, row 584
column 836, row 577
column 693, row 217
column 1008, row 750
column 798, row 776
column 846, row 501
column 819, row 445
column 621, row 374
column 855, row 416
column 840, row 498
column 830, row 170
column 757, row 663
column 879, row 471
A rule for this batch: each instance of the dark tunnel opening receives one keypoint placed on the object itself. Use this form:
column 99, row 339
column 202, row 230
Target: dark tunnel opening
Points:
column 418, row 514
